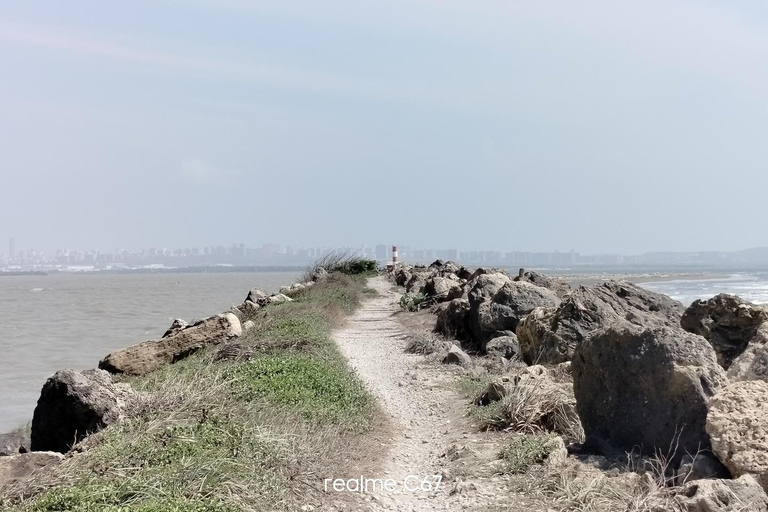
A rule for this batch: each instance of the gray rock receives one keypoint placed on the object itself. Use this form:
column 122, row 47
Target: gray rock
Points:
column 738, row 426
column 752, row 364
column 727, row 322
column 560, row 287
column 646, row 387
column 503, row 346
column 14, row 443
column 700, row 466
column 440, row 288
column 255, row 294
column 456, row 356
column 150, row 355
column 741, row 495
column 19, row 468
column 550, row 335
column 278, row 298
column 73, row 405
column 176, row 327
column 453, row 319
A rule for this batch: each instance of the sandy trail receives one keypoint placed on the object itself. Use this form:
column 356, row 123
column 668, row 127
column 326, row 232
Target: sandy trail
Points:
column 420, row 401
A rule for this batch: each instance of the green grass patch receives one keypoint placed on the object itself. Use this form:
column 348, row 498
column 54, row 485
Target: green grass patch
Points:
column 525, row 451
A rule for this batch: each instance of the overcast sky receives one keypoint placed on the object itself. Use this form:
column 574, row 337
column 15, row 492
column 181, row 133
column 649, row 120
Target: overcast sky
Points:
column 594, row 126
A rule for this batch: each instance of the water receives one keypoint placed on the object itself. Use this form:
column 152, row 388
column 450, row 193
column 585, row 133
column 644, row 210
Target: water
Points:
column 62, row 321
column 749, row 286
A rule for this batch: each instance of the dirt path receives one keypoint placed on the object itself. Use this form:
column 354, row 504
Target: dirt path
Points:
column 422, row 402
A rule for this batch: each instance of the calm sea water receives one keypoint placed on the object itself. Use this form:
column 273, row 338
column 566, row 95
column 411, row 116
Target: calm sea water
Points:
column 62, row 321
column 749, row 286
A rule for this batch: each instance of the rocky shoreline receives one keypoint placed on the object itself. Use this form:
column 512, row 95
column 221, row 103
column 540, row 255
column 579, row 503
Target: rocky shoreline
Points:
column 647, row 377
column 73, row 405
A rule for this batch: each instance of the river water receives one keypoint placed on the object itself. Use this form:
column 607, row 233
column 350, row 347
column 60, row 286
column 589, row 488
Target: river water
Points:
column 62, row 321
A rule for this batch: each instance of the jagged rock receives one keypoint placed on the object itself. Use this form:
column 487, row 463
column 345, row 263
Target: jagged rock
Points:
column 738, row 425
column 73, row 405
column 14, row 443
column 727, row 322
column 256, row 294
column 456, row 356
column 439, row 288
column 176, row 327
column 19, row 468
column 560, row 287
column 150, row 355
column 741, row 495
column 496, row 308
column 436, row 265
column 279, row 298
column 642, row 387
column 453, row 319
column 502, row 346
column 417, row 281
column 318, row 275
column 248, row 308
column 752, row 364
column 550, row 335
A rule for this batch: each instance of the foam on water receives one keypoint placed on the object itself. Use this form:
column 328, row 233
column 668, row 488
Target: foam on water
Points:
column 749, row 286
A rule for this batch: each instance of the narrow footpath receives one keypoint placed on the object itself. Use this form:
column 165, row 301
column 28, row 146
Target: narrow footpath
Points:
column 423, row 404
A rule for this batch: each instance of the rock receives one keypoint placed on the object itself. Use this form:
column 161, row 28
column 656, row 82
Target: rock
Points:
column 456, row 356
column 503, row 346
column 401, row 275
column 702, row 465
column 436, row 265
column 255, row 295
column 741, row 495
column 752, row 364
column 497, row 303
column 73, row 405
column 417, row 282
column 441, row 287
column 558, row 286
column 19, row 468
column 550, row 335
column 248, row 325
column 13, row 444
column 453, row 319
column 249, row 308
column 557, row 452
column 643, row 386
column 150, row 355
column 319, row 274
column 727, row 322
column 738, row 426
column 278, row 298
column 493, row 392
column 176, row 327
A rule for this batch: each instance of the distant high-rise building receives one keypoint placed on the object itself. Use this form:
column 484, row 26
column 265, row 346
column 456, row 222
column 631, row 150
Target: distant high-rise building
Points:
column 12, row 248
column 381, row 252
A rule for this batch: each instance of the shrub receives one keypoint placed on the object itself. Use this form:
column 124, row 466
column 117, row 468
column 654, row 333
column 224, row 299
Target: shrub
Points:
column 343, row 263
column 527, row 450
column 412, row 301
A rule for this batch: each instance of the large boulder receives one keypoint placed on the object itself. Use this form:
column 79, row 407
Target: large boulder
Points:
column 14, row 443
column 503, row 346
column 559, row 286
column 457, row 356
column 728, row 322
column 646, row 387
column 256, row 294
column 498, row 304
column 73, row 405
column 738, row 426
column 151, row 355
column 417, row 281
column 19, row 468
column 752, row 364
column 550, row 336
column 440, row 288
column 741, row 495
column 453, row 319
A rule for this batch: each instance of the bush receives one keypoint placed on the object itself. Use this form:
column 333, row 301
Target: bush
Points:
column 412, row 301
column 342, row 263
column 527, row 450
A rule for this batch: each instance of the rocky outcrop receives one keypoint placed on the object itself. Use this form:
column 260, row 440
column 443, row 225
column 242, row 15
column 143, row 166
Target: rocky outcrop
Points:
column 14, row 443
column 498, row 303
column 150, row 355
column 560, row 287
column 550, row 335
column 73, row 405
column 752, row 364
column 727, row 322
column 453, row 319
column 456, row 356
column 21, row 467
column 442, row 288
column 740, row 495
column 738, row 426
column 646, row 387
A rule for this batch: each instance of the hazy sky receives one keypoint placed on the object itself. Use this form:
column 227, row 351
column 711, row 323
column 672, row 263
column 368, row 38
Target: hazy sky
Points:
column 595, row 126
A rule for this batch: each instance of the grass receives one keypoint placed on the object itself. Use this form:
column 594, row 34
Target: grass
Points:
column 524, row 451
column 341, row 263
column 215, row 435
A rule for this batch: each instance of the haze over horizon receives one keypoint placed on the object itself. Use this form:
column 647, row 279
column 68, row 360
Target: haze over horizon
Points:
column 598, row 127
